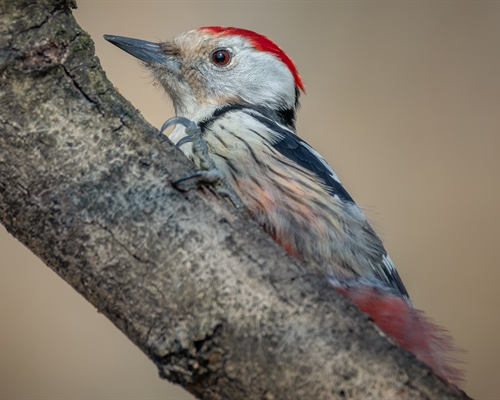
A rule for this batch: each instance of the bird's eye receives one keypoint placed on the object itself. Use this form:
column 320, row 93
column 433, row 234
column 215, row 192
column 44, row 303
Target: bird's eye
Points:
column 221, row 57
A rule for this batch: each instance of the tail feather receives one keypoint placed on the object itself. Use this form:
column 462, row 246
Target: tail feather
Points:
column 410, row 328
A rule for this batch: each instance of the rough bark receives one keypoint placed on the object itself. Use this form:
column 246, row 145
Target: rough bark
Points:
column 197, row 286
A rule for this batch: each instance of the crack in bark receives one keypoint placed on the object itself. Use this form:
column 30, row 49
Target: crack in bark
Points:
column 82, row 90
column 123, row 246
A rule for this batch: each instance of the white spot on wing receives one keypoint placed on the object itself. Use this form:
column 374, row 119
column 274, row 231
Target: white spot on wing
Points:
column 323, row 161
column 357, row 211
column 388, row 263
column 271, row 135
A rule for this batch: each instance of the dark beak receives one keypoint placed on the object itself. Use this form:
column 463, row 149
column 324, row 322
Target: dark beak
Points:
column 148, row 52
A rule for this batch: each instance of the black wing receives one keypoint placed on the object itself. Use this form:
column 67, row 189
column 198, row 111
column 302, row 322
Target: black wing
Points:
column 295, row 149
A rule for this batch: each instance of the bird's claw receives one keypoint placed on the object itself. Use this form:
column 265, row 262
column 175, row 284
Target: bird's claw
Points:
column 209, row 172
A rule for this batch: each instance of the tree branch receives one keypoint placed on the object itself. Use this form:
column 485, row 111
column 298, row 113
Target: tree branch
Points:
column 210, row 298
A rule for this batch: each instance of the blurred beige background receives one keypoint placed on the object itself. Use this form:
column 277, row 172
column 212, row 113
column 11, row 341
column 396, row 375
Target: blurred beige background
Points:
column 403, row 99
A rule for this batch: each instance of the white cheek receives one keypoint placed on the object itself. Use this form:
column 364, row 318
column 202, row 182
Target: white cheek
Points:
column 259, row 78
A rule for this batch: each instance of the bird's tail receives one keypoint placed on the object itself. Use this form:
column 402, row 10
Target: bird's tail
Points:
column 410, row 328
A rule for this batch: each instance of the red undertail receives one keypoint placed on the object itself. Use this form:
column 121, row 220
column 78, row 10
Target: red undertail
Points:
column 410, row 328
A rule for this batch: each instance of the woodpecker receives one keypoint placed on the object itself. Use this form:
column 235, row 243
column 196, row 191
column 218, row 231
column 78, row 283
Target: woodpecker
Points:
column 235, row 95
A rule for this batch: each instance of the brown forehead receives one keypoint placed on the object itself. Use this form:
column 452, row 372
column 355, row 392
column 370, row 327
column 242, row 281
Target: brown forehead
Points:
column 191, row 43
column 170, row 48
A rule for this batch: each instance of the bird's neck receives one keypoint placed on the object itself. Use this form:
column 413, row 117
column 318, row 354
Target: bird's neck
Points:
column 202, row 113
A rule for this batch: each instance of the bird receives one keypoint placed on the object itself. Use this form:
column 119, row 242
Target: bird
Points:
column 236, row 94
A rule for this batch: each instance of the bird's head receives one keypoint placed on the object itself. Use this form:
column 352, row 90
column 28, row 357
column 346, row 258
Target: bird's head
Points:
column 211, row 66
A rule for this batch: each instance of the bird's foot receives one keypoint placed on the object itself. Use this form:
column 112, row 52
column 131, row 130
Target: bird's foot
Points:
column 209, row 173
